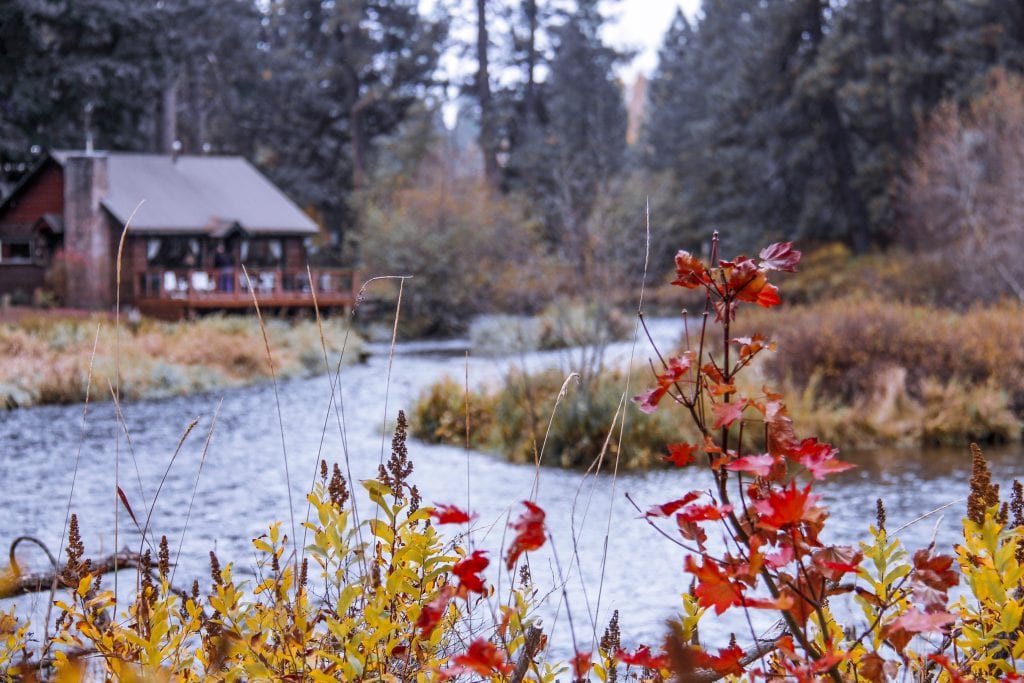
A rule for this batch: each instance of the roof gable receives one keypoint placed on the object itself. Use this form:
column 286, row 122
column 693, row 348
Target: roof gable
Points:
column 196, row 193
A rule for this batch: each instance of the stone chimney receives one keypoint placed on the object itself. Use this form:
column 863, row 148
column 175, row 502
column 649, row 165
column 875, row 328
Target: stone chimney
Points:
column 89, row 243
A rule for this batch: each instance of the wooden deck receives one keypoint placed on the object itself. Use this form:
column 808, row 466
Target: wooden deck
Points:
column 176, row 294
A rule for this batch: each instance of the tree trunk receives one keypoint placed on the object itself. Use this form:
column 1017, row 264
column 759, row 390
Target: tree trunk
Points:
column 357, row 135
column 531, row 63
column 488, row 144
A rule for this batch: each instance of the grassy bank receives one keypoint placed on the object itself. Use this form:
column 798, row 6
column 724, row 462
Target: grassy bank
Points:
column 862, row 373
column 873, row 372
column 46, row 360
column 567, row 422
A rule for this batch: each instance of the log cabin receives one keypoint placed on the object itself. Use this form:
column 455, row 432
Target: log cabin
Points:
column 192, row 223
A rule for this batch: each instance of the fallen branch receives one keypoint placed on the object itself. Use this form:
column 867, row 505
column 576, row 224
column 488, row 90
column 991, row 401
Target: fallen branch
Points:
column 530, row 649
column 15, row 582
column 23, row 583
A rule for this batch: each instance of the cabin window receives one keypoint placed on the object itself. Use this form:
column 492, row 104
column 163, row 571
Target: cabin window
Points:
column 173, row 252
column 15, row 251
column 263, row 253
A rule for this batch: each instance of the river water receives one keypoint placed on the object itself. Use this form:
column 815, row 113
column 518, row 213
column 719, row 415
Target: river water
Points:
column 242, row 486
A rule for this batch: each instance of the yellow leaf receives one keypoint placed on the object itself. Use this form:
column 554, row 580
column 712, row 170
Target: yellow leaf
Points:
column 84, row 584
column 1010, row 616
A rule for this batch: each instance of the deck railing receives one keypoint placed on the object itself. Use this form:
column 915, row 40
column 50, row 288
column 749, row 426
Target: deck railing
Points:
column 212, row 285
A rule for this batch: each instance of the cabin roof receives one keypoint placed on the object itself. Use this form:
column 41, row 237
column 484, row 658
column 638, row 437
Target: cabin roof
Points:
column 191, row 194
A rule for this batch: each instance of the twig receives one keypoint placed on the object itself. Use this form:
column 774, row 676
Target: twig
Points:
column 530, row 649
column 280, row 415
column 928, row 514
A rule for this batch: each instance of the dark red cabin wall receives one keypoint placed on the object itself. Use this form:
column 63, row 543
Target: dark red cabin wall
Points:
column 44, row 194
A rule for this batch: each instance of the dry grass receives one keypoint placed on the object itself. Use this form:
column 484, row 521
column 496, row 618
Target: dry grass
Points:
column 871, row 372
column 514, row 419
column 45, row 360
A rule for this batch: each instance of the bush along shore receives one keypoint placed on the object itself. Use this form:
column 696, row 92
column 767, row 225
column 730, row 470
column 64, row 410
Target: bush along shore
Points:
column 47, row 360
column 869, row 372
column 395, row 597
column 559, row 420
column 866, row 373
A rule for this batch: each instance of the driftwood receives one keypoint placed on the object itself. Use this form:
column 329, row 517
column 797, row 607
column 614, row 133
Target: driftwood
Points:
column 16, row 582
column 23, row 583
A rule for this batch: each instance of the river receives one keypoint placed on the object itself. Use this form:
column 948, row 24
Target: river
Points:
column 242, row 487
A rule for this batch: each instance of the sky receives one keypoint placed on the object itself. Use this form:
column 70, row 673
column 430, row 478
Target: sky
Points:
column 640, row 25
column 633, row 24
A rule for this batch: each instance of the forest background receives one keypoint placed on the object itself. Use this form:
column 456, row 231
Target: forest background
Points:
column 875, row 125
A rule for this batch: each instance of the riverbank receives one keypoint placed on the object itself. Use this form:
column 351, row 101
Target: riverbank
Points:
column 863, row 374
column 49, row 359
column 866, row 372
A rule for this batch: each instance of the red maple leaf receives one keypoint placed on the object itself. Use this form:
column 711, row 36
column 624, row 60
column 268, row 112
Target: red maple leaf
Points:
column 806, row 671
column 722, row 389
column 703, row 513
column 677, row 367
column 449, row 514
column 780, row 256
column 530, row 533
column 714, row 589
column 783, row 602
column 481, row 657
column 781, row 438
column 727, row 413
column 819, row 458
column 431, row 612
column 690, row 271
column 768, row 296
column 668, row 508
column 837, row 560
column 780, row 559
column 642, row 657
column 581, row 665
column 712, row 373
column 935, row 571
column 750, row 346
column 931, row 580
column 954, row 674
column 726, row 662
column 913, row 621
column 745, row 279
column 468, row 570
column 648, row 401
column 786, row 507
column 758, row 465
column 680, row 454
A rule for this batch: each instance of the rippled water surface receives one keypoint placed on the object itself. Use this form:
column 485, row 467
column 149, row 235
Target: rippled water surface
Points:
column 243, row 484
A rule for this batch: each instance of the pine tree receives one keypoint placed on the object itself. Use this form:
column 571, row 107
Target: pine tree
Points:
column 584, row 144
column 674, row 98
column 335, row 78
column 75, row 67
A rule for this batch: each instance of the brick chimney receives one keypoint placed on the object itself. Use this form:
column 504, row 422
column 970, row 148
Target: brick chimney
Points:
column 89, row 242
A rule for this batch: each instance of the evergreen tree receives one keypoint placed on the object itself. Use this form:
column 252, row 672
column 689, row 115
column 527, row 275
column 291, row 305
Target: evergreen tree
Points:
column 335, row 78
column 674, row 98
column 725, row 171
column 584, row 140
column 75, row 67
column 986, row 33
